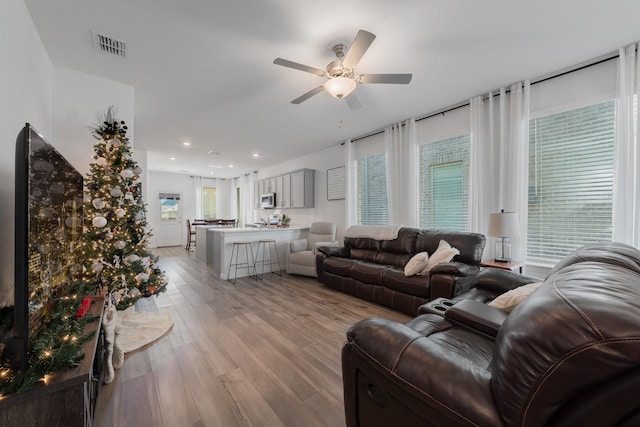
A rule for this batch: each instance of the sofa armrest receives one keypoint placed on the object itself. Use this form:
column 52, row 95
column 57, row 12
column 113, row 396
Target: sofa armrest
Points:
column 383, row 340
column 455, row 269
column 332, row 251
column 318, row 245
column 449, row 279
column 477, row 315
column 298, row 245
column 500, row 281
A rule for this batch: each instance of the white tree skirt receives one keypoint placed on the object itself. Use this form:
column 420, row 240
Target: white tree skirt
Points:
column 139, row 328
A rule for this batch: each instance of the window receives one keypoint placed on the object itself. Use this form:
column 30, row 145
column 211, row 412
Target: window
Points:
column 444, row 184
column 570, row 180
column 209, row 202
column 373, row 207
column 169, row 206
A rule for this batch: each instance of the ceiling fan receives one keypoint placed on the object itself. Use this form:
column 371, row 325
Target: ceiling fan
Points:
column 340, row 75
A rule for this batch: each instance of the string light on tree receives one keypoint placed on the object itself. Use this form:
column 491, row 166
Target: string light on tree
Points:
column 116, row 254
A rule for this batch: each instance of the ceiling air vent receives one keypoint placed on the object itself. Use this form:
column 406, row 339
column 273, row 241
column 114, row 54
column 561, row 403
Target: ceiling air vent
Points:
column 110, row 45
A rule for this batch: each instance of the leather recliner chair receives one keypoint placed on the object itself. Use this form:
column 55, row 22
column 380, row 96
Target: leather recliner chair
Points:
column 568, row 355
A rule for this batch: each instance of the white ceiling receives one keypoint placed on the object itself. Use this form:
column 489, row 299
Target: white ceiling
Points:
column 203, row 71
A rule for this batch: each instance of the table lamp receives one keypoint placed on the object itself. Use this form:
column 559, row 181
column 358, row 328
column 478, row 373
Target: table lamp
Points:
column 503, row 225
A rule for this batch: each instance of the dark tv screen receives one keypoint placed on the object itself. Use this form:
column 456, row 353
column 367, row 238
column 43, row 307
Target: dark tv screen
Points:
column 48, row 231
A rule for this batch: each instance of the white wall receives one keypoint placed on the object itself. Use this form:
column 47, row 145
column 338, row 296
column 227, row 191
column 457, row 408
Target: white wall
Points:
column 325, row 210
column 77, row 98
column 26, row 88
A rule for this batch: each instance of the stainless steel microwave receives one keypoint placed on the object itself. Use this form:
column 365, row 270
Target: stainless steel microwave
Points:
column 268, row 201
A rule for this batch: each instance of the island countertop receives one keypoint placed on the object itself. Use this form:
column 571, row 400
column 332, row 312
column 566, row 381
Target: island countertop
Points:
column 214, row 244
column 256, row 229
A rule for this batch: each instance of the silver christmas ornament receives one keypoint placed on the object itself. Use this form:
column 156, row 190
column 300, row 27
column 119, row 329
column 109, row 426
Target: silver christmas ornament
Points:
column 99, row 221
column 98, row 203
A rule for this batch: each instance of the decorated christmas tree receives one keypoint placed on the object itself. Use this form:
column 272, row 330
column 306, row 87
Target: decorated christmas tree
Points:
column 115, row 240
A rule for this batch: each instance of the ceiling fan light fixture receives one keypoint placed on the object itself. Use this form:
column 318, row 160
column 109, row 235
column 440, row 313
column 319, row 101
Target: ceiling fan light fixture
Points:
column 340, row 87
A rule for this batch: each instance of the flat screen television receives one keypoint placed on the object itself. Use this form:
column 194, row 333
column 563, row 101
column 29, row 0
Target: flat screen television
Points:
column 48, row 230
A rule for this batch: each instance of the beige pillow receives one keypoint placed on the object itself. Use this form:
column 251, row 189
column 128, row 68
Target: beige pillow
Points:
column 444, row 253
column 509, row 300
column 416, row 263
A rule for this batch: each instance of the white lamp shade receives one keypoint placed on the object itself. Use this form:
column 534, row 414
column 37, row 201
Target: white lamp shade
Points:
column 504, row 224
column 340, row 87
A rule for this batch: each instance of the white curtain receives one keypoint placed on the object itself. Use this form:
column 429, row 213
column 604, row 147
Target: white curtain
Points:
column 351, row 185
column 401, row 154
column 233, row 212
column 483, row 177
column 516, row 163
column 197, row 184
column 626, row 174
column 499, row 160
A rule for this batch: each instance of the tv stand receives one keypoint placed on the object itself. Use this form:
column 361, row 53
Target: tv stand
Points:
column 69, row 398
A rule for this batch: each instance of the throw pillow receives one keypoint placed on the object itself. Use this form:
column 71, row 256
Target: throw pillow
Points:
column 444, row 253
column 416, row 264
column 509, row 300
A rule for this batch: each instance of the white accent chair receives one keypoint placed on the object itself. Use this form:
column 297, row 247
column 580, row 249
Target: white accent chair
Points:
column 301, row 258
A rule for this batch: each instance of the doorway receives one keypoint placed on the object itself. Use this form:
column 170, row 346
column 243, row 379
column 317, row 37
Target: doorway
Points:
column 170, row 224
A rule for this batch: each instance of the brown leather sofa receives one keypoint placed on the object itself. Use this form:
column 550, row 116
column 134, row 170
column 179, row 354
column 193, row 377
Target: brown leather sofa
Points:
column 374, row 269
column 568, row 355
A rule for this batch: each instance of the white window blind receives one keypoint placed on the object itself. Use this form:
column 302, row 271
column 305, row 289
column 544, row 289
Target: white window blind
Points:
column 373, row 207
column 444, row 184
column 570, row 180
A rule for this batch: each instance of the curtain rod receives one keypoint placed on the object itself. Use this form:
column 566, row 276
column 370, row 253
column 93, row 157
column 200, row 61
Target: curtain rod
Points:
column 551, row 76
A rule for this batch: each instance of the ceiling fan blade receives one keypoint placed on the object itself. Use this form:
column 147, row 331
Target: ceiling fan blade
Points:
column 358, row 47
column 308, row 95
column 296, row 66
column 401, row 79
column 353, row 102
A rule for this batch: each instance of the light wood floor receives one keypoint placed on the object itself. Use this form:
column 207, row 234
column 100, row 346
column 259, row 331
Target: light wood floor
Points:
column 262, row 353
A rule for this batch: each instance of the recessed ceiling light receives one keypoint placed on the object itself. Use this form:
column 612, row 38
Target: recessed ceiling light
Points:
column 186, row 143
column 172, row 158
column 230, row 166
column 255, row 155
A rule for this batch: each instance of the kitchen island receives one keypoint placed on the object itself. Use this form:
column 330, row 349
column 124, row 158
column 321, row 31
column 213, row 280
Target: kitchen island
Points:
column 219, row 243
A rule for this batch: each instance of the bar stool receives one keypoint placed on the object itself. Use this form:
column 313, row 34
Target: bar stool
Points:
column 248, row 264
column 267, row 246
